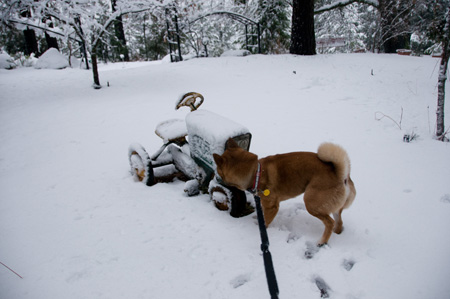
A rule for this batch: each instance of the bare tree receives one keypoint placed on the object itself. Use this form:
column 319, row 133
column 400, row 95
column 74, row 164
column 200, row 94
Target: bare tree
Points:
column 393, row 23
column 84, row 21
column 395, row 28
column 440, row 126
column 120, row 33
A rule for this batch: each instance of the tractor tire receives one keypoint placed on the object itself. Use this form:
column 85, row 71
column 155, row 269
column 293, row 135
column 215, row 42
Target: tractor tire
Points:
column 231, row 199
column 141, row 164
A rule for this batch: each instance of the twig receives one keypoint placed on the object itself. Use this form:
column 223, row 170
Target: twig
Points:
column 401, row 119
column 11, row 270
column 399, row 125
column 443, row 137
column 437, row 61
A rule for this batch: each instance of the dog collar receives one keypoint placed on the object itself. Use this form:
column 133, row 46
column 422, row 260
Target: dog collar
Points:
column 254, row 189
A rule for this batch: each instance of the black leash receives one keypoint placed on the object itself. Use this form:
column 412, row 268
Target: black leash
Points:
column 268, row 264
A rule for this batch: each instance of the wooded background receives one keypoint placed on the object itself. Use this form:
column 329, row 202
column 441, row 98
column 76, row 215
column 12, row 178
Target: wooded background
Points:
column 117, row 30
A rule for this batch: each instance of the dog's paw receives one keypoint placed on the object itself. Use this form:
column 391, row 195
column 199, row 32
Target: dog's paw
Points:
column 320, row 245
column 338, row 230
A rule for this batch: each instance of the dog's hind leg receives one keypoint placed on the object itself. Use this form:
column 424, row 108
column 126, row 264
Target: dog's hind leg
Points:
column 329, row 224
column 338, row 224
column 312, row 198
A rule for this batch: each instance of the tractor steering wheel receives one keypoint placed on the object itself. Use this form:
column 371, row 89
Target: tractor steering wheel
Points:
column 190, row 100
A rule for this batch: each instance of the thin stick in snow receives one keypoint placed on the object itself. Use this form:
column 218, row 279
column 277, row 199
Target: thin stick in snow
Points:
column 11, row 270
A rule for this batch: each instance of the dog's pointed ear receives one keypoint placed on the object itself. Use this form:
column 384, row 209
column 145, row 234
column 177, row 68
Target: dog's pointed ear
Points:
column 218, row 159
column 231, row 143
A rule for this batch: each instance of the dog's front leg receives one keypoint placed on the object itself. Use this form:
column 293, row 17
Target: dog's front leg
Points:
column 270, row 210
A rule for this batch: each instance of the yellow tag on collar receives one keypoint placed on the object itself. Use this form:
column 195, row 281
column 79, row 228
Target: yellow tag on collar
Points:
column 266, row 192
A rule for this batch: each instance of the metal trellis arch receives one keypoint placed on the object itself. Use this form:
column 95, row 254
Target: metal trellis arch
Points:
column 173, row 35
column 252, row 39
column 247, row 22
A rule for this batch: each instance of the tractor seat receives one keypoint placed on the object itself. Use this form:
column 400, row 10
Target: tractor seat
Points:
column 172, row 130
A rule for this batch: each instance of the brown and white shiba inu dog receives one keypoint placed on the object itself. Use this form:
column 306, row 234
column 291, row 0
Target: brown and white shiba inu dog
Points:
column 323, row 177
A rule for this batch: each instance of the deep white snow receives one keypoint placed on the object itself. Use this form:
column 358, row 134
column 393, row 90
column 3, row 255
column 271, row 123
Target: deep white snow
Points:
column 74, row 223
column 52, row 59
column 6, row 61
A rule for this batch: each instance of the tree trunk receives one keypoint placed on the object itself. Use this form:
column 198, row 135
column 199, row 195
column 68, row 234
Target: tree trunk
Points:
column 95, row 71
column 31, row 45
column 120, row 34
column 440, row 126
column 52, row 42
column 395, row 43
column 303, row 40
column 80, row 34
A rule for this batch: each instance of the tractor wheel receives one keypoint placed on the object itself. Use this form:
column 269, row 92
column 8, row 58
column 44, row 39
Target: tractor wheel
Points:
column 221, row 197
column 239, row 205
column 231, row 199
column 141, row 164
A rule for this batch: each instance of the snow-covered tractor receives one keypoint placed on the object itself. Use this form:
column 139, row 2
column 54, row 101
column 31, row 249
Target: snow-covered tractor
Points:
column 187, row 154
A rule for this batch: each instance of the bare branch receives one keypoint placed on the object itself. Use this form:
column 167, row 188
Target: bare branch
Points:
column 41, row 28
column 344, row 3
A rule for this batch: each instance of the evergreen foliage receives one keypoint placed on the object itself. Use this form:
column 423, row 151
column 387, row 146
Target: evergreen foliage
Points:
column 274, row 18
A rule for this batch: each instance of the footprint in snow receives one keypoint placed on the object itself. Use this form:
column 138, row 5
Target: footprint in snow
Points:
column 322, row 286
column 311, row 250
column 348, row 264
column 240, row 280
column 292, row 237
column 445, row 198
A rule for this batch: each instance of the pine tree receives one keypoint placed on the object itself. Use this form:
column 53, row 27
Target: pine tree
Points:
column 274, row 22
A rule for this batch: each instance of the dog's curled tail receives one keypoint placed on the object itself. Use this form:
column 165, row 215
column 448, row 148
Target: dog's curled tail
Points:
column 330, row 152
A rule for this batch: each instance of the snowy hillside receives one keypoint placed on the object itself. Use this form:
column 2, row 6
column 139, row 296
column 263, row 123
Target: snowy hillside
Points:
column 74, row 224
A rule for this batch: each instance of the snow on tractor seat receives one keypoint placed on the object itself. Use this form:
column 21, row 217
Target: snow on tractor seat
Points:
column 171, row 129
column 208, row 133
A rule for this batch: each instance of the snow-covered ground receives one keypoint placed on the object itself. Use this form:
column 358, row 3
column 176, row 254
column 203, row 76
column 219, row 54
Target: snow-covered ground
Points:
column 74, row 224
